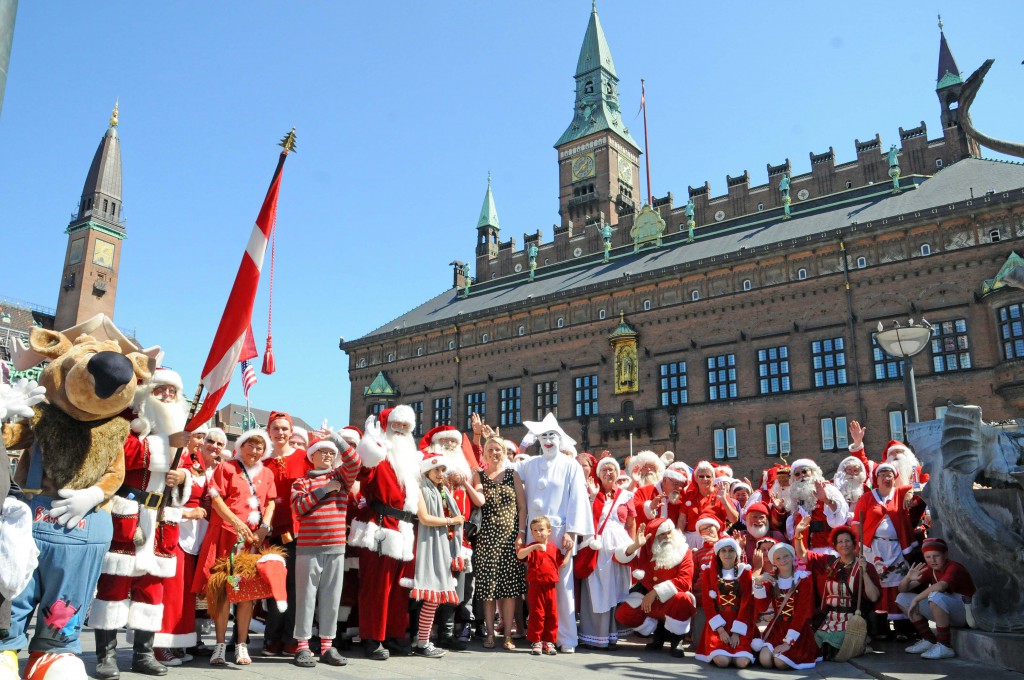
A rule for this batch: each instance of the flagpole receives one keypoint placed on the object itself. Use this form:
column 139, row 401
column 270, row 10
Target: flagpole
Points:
column 647, row 155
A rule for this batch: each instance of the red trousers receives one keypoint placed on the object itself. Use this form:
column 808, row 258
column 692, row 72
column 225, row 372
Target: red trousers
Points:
column 678, row 607
column 542, row 624
column 126, row 601
column 383, row 603
column 179, row 622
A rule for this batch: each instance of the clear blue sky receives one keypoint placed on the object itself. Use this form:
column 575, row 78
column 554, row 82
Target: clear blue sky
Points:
column 401, row 109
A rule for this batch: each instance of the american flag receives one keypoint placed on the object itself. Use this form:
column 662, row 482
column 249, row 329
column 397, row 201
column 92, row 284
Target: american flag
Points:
column 226, row 350
column 248, row 378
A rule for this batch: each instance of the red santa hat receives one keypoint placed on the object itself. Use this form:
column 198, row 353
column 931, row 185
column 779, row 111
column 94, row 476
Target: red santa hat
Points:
column 399, row 414
column 350, row 434
column 268, row 447
column 272, row 569
column 707, row 519
column 645, row 458
column 431, row 461
column 757, row 507
column 659, row 525
column 439, row 434
column 884, row 466
column 722, row 471
column 608, row 461
column 323, row 444
column 302, row 432
column 727, row 542
column 165, row 376
column 678, row 472
column 894, row 448
column 802, row 463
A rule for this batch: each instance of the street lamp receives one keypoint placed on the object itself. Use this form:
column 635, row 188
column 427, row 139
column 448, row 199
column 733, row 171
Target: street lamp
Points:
column 903, row 342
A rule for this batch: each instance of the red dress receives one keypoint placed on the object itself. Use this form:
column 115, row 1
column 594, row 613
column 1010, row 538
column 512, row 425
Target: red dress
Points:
column 728, row 601
column 230, row 484
column 793, row 624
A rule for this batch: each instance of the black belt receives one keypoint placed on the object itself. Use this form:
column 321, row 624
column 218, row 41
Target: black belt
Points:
column 148, row 499
column 387, row 510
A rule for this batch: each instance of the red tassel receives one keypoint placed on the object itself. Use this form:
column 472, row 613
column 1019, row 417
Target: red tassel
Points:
column 269, row 365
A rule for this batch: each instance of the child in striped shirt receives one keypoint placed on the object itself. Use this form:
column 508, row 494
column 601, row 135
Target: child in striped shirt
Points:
column 319, row 504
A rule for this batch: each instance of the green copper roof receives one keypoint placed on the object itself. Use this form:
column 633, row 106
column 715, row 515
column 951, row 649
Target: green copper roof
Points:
column 595, row 53
column 623, row 330
column 949, row 79
column 949, row 72
column 380, row 387
column 1014, row 261
column 597, row 90
column 488, row 213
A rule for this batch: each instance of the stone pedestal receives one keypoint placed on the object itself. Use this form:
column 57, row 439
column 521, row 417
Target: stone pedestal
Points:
column 1005, row 650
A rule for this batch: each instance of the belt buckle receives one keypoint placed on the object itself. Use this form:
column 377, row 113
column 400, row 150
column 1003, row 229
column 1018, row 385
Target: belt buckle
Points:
column 153, row 500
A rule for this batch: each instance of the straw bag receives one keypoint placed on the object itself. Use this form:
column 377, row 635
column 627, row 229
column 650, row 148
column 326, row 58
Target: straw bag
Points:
column 856, row 628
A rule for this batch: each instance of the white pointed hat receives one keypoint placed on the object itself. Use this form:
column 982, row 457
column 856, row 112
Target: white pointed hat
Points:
column 549, row 424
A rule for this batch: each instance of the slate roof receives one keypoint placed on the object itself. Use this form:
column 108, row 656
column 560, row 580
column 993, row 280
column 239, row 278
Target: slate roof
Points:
column 967, row 179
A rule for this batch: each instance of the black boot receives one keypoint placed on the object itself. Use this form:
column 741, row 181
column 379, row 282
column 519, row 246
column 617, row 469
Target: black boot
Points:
column 106, row 655
column 143, row 660
column 446, row 629
column 673, row 643
column 659, row 639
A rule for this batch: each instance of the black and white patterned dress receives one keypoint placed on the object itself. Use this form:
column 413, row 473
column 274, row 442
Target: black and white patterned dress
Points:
column 498, row 573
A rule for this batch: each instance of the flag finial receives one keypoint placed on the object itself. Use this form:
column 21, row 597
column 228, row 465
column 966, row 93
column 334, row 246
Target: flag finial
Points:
column 288, row 142
column 940, row 22
column 113, row 115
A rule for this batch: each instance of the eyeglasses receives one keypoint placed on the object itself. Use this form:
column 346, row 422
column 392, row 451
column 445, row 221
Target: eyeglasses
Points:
column 705, row 477
column 803, row 472
column 326, row 453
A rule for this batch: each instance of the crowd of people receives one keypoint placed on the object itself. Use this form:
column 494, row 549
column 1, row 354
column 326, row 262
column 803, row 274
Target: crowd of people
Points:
column 413, row 547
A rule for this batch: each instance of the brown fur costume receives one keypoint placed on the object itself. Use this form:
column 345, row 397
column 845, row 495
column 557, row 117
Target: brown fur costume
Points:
column 245, row 568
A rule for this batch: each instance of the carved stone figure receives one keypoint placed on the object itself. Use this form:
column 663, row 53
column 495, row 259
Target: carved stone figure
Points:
column 967, row 94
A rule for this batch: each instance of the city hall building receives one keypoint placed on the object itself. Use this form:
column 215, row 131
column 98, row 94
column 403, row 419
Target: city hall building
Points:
column 734, row 327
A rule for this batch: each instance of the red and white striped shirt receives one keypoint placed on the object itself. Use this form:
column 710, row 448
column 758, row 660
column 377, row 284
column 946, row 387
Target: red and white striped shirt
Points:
column 319, row 515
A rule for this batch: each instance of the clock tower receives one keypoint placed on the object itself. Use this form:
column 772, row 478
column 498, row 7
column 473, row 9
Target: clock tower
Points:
column 598, row 159
column 89, row 281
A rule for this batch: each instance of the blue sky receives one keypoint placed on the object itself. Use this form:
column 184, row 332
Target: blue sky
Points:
column 401, row 109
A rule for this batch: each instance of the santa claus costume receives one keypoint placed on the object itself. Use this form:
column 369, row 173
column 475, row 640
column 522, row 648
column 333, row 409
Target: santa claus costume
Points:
column 130, row 592
column 389, row 482
column 791, row 598
column 728, row 601
column 664, row 567
column 801, row 501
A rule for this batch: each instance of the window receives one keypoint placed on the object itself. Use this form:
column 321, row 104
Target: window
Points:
column 725, row 443
column 417, row 408
column 834, row 434
column 801, row 274
column 104, row 206
column 896, row 430
column 443, row 411
column 673, row 383
column 828, row 362
column 1011, row 331
column 760, row 207
column 391, row 357
column 362, row 363
column 476, row 402
column 510, row 406
column 647, row 305
column 862, row 262
column 776, row 439
column 722, row 377
column 694, row 295
column 586, row 395
column 849, row 184
column 938, row 162
column 485, row 338
column 994, row 236
column 522, row 330
column 560, row 323
column 950, row 347
column 926, row 249
column 546, row 399
column 451, row 344
column 747, row 285
column 375, row 409
column 773, row 369
column 601, row 314
column 940, row 412
column 886, row 367
column 419, row 351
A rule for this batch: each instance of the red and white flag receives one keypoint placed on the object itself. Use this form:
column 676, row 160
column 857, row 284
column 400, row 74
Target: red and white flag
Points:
column 233, row 330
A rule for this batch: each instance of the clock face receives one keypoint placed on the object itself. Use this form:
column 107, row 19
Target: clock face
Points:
column 625, row 171
column 77, row 247
column 103, row 254
column 584, row 167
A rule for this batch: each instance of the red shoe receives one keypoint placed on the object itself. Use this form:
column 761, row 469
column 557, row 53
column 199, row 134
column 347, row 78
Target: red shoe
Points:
column 291, row 649
column 166, row 656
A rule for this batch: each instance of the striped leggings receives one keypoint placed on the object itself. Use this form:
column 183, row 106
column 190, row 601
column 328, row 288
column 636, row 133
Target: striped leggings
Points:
column 427, row 611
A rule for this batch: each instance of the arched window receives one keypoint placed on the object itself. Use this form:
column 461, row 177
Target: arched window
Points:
column 801, row 274
column 862, row 262
column 747, row 285
column 588, row 88
column 419, row 351
column 849, row 184
column 938, row 162
column 601, row 314
column 994, row 236
column 451, row 344
column 560, row 323
column 694, row 295
column 485, row 337
column 647, row 305
column 522, row 330
column 760, row 207
column 362, row 363
column 926, row 249
column 391, row 357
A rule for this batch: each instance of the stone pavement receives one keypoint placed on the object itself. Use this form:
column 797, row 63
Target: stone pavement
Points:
column 630, row 661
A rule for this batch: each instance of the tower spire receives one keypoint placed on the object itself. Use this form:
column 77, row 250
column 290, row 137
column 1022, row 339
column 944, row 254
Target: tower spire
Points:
column 488, row 212
column 949, row 73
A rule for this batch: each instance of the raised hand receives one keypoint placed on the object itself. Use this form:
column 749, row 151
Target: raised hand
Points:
column 857, row 434
column 476, row 424
column 819, row 490
column 18, row 399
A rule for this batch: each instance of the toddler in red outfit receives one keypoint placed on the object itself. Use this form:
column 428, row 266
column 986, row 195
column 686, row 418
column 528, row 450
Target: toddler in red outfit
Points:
column 543, row 560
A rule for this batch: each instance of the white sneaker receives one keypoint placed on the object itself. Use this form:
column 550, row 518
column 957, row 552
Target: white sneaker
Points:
column 567, row 650
column 919, row 647
column 939, row 651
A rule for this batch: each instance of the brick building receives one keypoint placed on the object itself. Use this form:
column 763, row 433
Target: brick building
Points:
column 736, row 327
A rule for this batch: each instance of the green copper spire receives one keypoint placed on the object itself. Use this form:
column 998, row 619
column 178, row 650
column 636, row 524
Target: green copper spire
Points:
column 488, row 213
column 949, row 73
column 597, row 89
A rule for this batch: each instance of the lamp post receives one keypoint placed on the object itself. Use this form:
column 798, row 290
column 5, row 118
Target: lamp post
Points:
column 903, row 342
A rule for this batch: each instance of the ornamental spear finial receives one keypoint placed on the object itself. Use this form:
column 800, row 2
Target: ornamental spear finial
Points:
column 288, row 142
column 113, row 115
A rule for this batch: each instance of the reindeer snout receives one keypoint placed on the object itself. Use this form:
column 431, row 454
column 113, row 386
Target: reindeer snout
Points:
column 111, row 371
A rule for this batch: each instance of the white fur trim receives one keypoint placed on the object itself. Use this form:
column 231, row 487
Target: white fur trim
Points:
column 595, row 543
column 121, row 506
column 282, row 605
column 405, row 582
column 622, row 558
column 175, row 640
column 707, row 521
column 792, row 635
column 173, row 515
column 396, row 544
column 647, row 627
column 675, row 475
column 802, row 463
column 249, row 434
column 649, row 509
column 159, row 461
column 677, row 627
column 739, row 627
column 118, row 564
column 759, row 592
column 645, row 458
column 164, row 567
column 665, row 590
column 140, row 426
column 148, row 617
column 108, row 615
column 180, row 494
column 717, row 622
column 756, row 644
column 253, row 518
column 271, row 558
column 402, row 413
column 633, row 600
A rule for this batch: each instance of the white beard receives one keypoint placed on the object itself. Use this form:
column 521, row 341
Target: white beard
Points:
column 801, row 493
column 758, row 532
column 906, row 464
column 404, row 458
column 852, row 488
column 161, row 418
column 670, row 553
column 651, row 477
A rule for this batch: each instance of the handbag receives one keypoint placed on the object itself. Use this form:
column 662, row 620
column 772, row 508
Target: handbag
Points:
column 855, row 638
column 585, row 561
